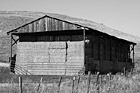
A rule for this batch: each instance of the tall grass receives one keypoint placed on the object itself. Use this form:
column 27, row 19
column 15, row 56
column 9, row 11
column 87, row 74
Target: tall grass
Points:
column 117, row 84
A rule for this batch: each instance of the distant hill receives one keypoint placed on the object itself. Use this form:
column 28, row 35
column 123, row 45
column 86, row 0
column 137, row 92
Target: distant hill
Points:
column 13, row 19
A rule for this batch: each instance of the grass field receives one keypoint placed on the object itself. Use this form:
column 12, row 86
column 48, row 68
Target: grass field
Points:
column 50, row 84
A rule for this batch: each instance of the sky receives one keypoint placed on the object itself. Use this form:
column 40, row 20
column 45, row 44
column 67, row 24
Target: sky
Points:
column 122, row 15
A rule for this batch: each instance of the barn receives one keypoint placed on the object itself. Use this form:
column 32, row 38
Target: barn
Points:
column 52, row 45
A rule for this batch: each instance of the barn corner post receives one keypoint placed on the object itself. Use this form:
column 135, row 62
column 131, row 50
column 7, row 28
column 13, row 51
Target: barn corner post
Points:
column 133, row 59
column 84, row 38
column 10, row 58
column 133, row 53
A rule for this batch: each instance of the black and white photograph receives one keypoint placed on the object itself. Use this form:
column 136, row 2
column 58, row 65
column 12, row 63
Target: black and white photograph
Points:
column 69, row 46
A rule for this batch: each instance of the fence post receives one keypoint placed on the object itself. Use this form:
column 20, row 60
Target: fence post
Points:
column 125, row 71
column 101, row 83
column 78, row 83
column 109, row 75
column 88, row 81
column 20, row 84
column 60, row 79
column 73, row 84
column 97, row 82
column 39, row 84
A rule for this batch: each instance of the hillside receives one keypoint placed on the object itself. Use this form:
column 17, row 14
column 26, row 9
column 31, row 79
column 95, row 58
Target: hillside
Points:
column 12, row 19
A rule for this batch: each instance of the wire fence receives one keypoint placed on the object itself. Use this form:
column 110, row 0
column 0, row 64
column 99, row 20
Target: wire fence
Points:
column 68, row 84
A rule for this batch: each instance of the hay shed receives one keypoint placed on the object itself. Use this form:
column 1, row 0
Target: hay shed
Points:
column 55, row 46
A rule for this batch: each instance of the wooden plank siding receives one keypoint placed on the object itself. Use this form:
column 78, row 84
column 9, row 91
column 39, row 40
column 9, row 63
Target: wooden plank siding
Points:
column 103, row 52
column 47, row 24
column 111, row 50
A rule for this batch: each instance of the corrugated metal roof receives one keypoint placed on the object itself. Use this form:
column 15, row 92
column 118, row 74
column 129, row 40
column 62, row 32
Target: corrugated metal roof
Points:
column 86, row 23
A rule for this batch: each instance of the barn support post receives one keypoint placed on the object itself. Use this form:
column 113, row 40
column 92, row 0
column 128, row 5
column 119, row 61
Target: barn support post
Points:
column 99, row 50
column 11, row 48
column 84, row 38
column 133, row 53
column 133, row 58
column 10, row 58
column 20, row 85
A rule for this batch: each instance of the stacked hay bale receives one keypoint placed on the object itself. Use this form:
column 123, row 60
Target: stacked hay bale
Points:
column 24, row 54
column 75, row 57
column 51, row 58
column 57, row 54
column 43, row 58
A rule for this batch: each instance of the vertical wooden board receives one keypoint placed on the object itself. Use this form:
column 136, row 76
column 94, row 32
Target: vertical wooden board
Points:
column 51, row 25
column 88, row 52
column 43, row 24
column 108, row 49
column 34, row 27
column 95, row 48
column 101, row 49
column 54, row 25
column 22, row 29
column 30, row 27
column 46, row 23
column 40, row 23
column 113, row 50
column 71, row 26
column 66, row 26
column 63, row 25
column 60, row 25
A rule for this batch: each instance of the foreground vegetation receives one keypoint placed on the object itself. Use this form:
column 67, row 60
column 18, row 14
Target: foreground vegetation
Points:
column 114, row 84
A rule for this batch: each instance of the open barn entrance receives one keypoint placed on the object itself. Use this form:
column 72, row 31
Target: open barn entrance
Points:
column 50, row 58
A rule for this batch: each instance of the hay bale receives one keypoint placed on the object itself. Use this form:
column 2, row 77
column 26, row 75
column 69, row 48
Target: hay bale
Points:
column 57, row 51
column 58, row 58
column 57, row 45
column 75, row 48
column 41, row 58
column 75, row 59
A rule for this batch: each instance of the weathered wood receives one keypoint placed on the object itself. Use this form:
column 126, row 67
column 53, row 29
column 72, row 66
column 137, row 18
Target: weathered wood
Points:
column 88, row 81
column 97, row 82
column 50, row 56
column 60, row 79
column 73, row 84
column 78, row 81
column 20, row 85
column 38, row 87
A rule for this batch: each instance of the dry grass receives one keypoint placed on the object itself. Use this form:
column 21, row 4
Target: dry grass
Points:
column 118, row 84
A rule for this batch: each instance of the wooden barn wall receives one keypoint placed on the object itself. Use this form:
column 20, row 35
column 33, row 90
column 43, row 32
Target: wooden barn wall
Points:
column 98, row 47
column 101, row 51
column 107, row 54
column 47, row 24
